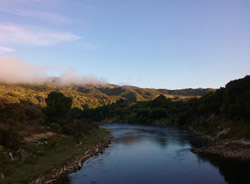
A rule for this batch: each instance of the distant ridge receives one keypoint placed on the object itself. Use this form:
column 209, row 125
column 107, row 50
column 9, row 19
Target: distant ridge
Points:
column 92, row 95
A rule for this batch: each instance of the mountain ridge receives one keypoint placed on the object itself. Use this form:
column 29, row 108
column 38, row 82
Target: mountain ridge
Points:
column 93, row 95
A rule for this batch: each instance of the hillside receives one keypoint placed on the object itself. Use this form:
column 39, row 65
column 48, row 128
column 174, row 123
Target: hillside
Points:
column 91, row 95
column 22, row 104
column 224, row 113
column 135, row 94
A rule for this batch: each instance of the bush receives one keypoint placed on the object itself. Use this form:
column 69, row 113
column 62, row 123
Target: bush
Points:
column 76, row 128
column 83, row 128
column 10, row 138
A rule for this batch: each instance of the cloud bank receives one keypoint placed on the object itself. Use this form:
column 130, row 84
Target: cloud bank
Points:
column 13, row 71
column 69, row 77
column 16, row 71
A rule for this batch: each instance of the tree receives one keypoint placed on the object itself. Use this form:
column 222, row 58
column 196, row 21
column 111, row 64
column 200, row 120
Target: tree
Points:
column 58, row 107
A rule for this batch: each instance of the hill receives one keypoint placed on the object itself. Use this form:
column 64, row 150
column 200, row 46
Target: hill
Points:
column 135, row 94
column 91, row 95
column 21, row 105
column 224, row 112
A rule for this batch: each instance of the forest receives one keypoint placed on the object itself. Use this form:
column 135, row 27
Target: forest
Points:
column 227, row 107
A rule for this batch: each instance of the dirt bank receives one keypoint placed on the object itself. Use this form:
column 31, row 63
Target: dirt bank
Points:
column 227, row 148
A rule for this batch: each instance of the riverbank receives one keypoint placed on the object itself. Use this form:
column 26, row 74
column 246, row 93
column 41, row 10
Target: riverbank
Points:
column 237, row 149
column 233, row 148
column 46, row 159
column 75, row 163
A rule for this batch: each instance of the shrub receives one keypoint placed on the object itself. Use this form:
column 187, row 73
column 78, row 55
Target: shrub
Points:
column 10, row 138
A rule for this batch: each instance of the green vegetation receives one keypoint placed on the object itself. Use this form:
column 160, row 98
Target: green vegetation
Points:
column 136, row 94
column 90, row 95
column 158, row 110
column 226, row 108
column 58, row 107
column 43, row 155
column 32, row 142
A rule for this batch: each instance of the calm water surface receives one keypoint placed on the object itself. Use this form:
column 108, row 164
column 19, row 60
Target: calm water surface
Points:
column 152, row 155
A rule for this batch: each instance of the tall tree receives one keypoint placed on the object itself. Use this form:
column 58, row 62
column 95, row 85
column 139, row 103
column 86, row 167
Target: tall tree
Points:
column 58, row 107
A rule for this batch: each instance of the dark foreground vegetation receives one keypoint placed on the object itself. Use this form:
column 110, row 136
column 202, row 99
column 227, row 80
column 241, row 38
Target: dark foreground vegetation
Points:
column 33, row 141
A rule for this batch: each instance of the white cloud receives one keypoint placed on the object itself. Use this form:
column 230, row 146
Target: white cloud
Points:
column 21, row 35
column 4, row 50
column 47, row 16
column 14, row 70
column 33, row 9
column 69, row 77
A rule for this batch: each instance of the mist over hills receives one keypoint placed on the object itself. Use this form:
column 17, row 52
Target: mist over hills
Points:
column 29, row 84
column 20, row 78
column 16, row 71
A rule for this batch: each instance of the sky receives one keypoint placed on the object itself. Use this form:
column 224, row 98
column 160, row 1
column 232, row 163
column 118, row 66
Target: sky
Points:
column 171, row 44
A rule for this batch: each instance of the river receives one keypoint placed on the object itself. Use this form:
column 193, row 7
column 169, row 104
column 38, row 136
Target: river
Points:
column 152, row 155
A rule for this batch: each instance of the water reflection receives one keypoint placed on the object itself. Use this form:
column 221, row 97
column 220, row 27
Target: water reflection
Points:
column 233, row 171
column 149, row 155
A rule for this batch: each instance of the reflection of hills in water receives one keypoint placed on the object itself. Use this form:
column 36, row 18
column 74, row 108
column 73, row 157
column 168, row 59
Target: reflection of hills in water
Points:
column 161, row 136
column 234, row 171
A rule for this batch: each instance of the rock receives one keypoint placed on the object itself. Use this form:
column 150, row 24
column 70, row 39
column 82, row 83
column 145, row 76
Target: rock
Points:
column 197, row 150
column 223, row 132
column 80, row 142
column 79, row 165
column 86, row 152
column 37, row 180
column 2, row 177
column 11, row 156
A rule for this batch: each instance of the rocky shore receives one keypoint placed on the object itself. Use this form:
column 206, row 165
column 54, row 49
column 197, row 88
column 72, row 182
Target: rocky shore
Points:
column 74, row 164
column 238, row 149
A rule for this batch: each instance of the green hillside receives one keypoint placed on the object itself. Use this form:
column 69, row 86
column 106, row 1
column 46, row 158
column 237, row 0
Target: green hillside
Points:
column 224, row 112
column 91, row 95
column 22, row 104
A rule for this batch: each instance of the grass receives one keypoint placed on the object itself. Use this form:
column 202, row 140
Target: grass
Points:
column 238, row 129
column 208, row 127
column 44, row 157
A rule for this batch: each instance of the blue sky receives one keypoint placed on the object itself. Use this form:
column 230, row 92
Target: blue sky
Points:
column 162, row 44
